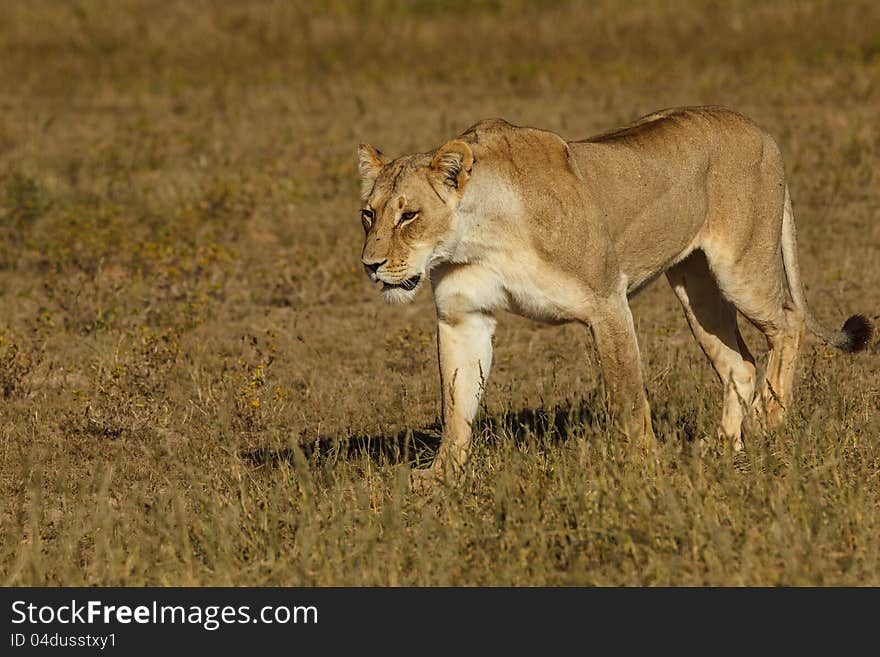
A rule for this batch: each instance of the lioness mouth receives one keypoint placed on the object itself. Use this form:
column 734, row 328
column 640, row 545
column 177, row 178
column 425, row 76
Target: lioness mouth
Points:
column 408, row 284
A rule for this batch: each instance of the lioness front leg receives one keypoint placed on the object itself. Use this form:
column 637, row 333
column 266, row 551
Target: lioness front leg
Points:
column 615, row 338
column 465, row 352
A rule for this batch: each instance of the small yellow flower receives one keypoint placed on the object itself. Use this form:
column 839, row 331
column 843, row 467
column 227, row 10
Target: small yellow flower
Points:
column 255, row 403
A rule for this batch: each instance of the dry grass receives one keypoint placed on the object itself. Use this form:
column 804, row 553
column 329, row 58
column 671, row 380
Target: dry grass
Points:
column 199, row 386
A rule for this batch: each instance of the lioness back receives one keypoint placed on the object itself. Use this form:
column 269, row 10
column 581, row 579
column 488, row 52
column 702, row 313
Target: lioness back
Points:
column 678, row 178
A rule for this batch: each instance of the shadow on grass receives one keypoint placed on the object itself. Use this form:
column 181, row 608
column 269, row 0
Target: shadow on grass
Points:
column 553, row 425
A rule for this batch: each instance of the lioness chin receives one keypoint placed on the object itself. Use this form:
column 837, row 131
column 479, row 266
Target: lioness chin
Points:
column 514, row 218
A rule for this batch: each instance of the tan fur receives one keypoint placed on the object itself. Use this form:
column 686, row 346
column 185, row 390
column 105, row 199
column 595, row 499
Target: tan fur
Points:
column 513, row 218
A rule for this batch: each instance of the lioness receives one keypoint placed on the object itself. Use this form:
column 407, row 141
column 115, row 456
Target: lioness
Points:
column 515, row 218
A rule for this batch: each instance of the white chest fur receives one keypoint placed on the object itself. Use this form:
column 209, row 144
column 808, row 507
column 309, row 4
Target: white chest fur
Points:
column 490, row 263
column 523, row 285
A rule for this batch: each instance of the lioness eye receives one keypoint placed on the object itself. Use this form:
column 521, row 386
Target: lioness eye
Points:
column 367, row 216
column 406, row 217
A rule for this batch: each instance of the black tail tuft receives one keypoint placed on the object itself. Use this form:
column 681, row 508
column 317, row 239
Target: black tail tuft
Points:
column 858, row 330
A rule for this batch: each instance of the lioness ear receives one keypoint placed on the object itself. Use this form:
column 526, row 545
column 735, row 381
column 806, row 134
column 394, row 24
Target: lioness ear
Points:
column 370, row 163
column 452, row 164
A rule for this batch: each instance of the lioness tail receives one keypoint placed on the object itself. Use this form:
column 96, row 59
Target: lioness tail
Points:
column 857, row 330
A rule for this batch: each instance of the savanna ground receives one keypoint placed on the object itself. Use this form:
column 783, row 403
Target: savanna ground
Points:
column 200, row 386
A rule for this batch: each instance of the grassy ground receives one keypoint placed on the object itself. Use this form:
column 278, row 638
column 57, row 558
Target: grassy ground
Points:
column 200, row 386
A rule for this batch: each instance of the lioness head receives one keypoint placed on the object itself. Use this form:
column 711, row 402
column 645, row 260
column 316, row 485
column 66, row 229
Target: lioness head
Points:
column 408, row 213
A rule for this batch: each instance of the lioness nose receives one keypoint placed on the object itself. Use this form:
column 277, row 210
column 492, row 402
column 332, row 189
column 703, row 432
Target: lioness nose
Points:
column 372, row 267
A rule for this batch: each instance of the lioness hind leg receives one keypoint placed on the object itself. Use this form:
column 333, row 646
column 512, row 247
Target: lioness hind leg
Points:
column 776, row 395
column 757, row 290
column 712, row 320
